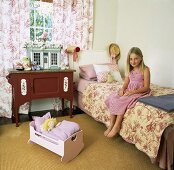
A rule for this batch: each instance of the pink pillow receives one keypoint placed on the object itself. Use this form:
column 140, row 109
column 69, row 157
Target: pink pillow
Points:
column 113, row 67
column 102, row 77
column 86, row 77
column 108, row 67
column 38, row 121
column 87, row 71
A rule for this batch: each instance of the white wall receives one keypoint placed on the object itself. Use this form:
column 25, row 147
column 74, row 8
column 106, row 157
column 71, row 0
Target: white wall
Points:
column 148, row 24
column 105, row 21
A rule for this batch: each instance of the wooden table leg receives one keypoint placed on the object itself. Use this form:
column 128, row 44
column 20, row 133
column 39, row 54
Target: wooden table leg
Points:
column 13, row 108
column 71, row 109
column 16, row 115
column 62, row 106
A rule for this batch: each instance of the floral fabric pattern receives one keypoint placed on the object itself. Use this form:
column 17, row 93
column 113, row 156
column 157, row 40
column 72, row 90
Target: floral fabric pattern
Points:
column 14, row 32
column 72, row 26
column 73, row 23
column 142, row 125
column 102, row 77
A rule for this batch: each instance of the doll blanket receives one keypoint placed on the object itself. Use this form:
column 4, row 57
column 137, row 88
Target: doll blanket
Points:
column 63, row 130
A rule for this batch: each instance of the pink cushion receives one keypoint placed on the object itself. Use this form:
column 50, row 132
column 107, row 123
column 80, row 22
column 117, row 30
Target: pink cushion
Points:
column 38, row 121
column 90, row 71
column 113, row 67
column 108, row 67
column 87, row 71
column 86, row 77
column 102, row 77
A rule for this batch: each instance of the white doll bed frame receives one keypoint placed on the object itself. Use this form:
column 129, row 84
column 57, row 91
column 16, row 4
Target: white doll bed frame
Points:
column 67, row 149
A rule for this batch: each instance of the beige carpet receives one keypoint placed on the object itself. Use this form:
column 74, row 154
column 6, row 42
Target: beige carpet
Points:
column 99, row 153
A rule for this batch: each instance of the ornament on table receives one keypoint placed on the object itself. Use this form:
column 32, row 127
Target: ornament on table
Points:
column 26, row 63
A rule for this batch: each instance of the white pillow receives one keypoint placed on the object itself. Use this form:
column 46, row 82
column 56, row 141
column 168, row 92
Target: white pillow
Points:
column 113, row 69
column 100, row 68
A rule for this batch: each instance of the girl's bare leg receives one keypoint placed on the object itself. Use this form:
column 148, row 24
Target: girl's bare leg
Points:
column 112, row 122
column 116, row 128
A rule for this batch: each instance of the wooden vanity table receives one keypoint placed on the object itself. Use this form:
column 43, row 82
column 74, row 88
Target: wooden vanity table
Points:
column 29, row 85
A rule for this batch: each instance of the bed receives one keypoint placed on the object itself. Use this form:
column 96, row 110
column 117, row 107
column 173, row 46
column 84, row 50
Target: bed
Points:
column 150, row 129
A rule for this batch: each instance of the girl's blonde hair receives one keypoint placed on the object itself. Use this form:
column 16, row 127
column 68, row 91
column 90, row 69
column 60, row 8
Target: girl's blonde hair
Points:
column 137, row 51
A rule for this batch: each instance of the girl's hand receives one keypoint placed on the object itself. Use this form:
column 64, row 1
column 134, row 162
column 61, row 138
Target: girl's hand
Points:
column 129, row 93
column 121, row 92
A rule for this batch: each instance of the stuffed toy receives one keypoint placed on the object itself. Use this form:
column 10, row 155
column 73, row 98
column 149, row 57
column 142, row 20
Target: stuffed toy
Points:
column 34, row 65
column 110, row 78
column 26, row 63
column 48, row 124
column 18, row 66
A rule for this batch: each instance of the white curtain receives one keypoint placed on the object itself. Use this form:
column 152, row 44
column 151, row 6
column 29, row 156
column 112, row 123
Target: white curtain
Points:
column 73, row 23
column 14, row 32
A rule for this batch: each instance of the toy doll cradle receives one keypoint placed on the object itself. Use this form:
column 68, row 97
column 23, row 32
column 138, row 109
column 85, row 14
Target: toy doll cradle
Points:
column 67, row 149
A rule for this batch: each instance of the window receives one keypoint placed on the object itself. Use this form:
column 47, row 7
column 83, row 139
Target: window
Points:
column 53, row 58
column 37, row 58
column 40, row 19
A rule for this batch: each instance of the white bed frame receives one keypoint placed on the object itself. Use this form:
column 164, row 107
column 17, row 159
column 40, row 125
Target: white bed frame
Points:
column 67, row 149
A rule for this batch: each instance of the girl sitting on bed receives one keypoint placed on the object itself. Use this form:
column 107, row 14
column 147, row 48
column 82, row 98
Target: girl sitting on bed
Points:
column 136, row 85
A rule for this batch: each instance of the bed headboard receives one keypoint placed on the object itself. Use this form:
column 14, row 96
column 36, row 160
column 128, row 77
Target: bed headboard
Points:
column 93, row 57
column 89, row 57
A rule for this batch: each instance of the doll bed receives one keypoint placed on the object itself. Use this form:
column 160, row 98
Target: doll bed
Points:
column 143, row 125
column 67, row 149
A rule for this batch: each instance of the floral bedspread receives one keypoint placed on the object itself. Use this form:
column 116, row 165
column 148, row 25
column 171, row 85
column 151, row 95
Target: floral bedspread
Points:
column 142, row 125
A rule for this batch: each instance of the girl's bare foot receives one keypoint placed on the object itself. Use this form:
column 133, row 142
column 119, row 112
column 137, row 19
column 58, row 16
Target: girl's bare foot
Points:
column 108, row 130
column 113, row 132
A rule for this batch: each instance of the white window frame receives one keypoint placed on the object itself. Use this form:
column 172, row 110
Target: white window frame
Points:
column 44, row 11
